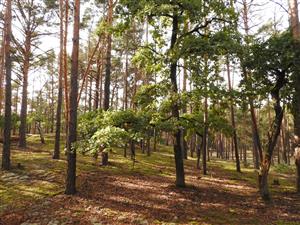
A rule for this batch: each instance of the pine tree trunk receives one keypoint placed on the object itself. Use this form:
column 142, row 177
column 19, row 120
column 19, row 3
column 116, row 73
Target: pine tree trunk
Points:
column 126, row 75
column 235, row 142
column 8, row 66
column 66, row 86
column 23, row 116
column 98, row 83
column 2, row 70
column 198, row 149
column 184, row 110
column 297, row 161
column 148, row 147
column 56, row 154
column 294, row 22
column 204, row 141
column 257, row 148
column 108, row 60
column 72, row 132
column 154, row 140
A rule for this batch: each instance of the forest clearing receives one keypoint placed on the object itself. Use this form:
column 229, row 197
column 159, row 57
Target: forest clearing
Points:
column 143, row 194
column 149, row 112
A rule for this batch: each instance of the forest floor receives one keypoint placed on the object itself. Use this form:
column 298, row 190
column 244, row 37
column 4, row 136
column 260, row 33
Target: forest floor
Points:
column 143, row 193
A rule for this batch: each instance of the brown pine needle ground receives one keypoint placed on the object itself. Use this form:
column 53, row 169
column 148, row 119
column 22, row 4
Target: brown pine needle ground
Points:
column 145, row 194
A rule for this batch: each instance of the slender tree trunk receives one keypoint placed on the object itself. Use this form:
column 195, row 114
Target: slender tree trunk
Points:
column 198, row 149
column 148, row 147
column 204, row 140
column 245, row 155
column 87, row 74
column 98, row 79
column 184, row 110
column 65, row 42
column 294, row 22
column 132, row 149
column 56, row 154
column 90, row 92
column 2, row 70
column 180, row 180
column 126, row 75
column 193, row 145
column 72, row 133
column 255, row 132
column 235, row 142
column 7, row 114
column 287, row 139
column 155, row 140
column 52, row 104
column 274, row 133
column 108, row 59
column 40, row 130
column 23, row 116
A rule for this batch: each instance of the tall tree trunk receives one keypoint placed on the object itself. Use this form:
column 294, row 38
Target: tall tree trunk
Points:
column 56, row 153
column 98, row 83
column 126, row 75
column 294, row 21
column 180, row 180
column 72, row 133
column 25, row 70
column 7, row 114
column 66, row 88
column 52, row 104
column 199, row 141
column 257, row 148
column 108, row 59
column 2, row 70
column 204, row 140
column 235, row 142
column 287, row 138
column 90, row 92
column 184, row 110
column 273, row 136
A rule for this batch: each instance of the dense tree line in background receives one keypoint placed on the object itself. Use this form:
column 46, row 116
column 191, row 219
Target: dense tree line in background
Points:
column 192, row 74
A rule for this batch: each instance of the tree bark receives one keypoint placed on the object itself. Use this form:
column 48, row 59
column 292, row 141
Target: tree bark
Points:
column 2, row 70
column 180, row 180
column 8, row 66
column 66, row 88
column 204, row 139
column 98, row 83
column 23, row 116
column 56, row 154
column 40, row 130
column 235, row 142
column 257, row 148
column 108, row 59
column 295, row 26
column 274, row 133
column 72, row 124
column 126, row 75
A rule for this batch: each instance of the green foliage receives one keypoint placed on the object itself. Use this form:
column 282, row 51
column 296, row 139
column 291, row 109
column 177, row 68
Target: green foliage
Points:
column 106, row 138
column 265, row 60
column 99, row 130
column 15, row 121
